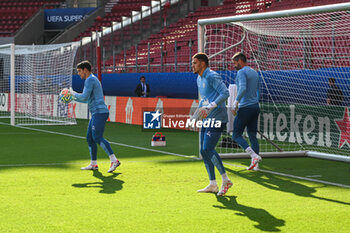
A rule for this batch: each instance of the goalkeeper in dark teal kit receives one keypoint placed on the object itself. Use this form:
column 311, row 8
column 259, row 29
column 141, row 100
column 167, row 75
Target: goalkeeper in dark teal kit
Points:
column 93, row 95
column 213, row 94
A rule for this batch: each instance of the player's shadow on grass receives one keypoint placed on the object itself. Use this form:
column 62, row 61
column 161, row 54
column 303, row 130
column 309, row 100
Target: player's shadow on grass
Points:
column 277, row 183
column 265, row 221
column 107, row 185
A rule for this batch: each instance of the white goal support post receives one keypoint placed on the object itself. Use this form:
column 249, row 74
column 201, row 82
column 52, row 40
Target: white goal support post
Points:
column 299, row 54
column 31, row 78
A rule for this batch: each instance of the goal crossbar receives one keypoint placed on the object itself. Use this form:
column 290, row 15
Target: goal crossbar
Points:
column 277, row 14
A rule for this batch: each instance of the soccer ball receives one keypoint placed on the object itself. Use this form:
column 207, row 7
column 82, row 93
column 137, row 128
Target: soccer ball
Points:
column 65, row 96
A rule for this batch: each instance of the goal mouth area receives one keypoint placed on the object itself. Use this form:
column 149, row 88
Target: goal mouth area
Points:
column 296, row 52
column 31, row 76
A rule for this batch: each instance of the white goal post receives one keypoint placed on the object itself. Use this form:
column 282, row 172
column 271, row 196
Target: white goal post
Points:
column 297, row 53
column 31, row 78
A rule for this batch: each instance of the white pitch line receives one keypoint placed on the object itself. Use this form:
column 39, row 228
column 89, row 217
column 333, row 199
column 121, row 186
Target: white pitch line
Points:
column 76, row 163
column 14, row 133
column 308, row 179
column 186, row 156
column 36, row 164
column 295, row 177
column 114, row 143
column 314, row 176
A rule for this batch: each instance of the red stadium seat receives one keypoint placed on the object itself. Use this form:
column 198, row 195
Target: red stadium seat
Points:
column 14, row 13
column 185, row 30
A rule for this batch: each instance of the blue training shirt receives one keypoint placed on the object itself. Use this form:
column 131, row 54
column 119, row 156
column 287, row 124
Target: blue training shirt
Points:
column 93, row 95
column 212, row 89
column 248, row 85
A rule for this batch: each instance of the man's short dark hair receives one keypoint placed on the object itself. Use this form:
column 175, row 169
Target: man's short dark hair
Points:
column 84, row 65
column 142, row 77
column 239, row 56
column 331, row 80
column 202, row 57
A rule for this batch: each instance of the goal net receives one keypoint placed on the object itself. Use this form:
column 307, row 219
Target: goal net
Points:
column 298, row 53
column 31, row 78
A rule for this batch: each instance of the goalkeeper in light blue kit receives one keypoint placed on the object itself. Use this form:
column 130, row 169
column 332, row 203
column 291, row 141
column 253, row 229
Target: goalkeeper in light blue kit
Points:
column 246, row 106
column 213, row 94
column 93, row 95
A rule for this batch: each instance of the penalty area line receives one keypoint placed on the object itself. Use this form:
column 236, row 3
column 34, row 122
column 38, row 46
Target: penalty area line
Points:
column 293, row 176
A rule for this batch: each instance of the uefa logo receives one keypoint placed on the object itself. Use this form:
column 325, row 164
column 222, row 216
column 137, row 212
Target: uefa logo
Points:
column 152, row 120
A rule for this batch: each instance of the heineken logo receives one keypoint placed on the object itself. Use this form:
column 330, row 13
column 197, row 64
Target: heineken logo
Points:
column 325, row 126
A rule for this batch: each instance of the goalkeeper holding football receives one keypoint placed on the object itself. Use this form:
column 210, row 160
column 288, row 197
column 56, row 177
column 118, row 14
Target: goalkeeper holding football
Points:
column 93, row 95
column 212, row 106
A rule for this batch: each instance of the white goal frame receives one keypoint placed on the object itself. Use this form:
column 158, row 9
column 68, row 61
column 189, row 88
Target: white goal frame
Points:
column 268, row 15
column 13, row 51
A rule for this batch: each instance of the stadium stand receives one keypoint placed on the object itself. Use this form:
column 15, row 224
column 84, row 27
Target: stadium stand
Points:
column 138, row 30
column 165, row 47
column 170, row 49
column 119, row 9
column 13, row 14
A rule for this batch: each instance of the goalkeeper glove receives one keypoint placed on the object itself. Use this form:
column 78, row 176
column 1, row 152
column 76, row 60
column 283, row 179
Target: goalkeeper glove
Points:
column 205, row 110
column 235, row 107
column 71, row 91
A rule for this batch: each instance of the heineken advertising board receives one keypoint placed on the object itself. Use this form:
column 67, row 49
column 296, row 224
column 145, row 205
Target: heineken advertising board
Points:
column 318, row 126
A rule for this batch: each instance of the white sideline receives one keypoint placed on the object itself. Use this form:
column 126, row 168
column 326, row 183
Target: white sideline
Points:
column 170, row 153
column 77, row 163
column 35, row 164
column 114, row 143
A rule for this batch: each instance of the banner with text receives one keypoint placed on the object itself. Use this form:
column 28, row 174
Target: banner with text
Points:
column 316, row 126
column 63, row 17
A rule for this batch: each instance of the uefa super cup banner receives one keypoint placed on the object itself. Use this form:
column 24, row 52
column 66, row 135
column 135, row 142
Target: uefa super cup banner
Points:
column 63, row 17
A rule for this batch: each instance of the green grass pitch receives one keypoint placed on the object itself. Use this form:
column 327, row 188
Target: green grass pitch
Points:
column 42, row 188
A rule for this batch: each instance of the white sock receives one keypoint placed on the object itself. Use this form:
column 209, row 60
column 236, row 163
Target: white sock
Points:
column 250, row 151
column 224, row 177
column 93, row 162
column 213, row 182
column 112, row 158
